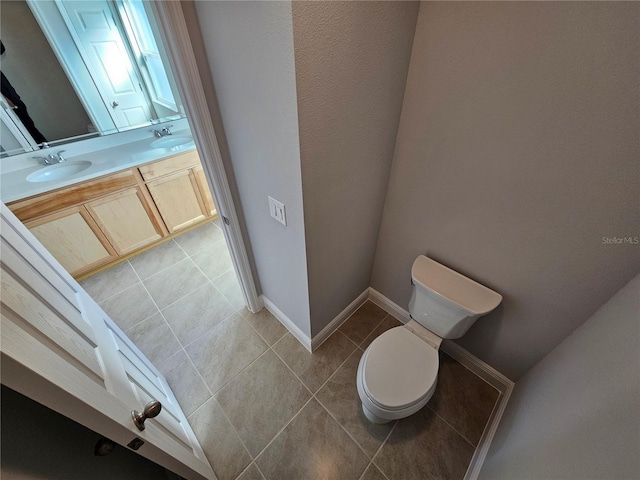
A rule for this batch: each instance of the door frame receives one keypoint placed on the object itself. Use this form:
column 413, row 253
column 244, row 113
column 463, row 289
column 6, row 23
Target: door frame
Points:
column 174, row 29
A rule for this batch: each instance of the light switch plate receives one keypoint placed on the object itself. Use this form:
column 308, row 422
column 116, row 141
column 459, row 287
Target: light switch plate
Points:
column 277, row 210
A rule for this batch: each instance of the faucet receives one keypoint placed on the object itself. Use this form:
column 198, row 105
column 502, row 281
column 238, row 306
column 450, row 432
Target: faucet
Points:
column 162, row 133
column 52, row 158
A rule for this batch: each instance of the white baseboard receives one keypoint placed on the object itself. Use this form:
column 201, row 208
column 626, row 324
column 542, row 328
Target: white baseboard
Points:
column 312, row 344
column 388, row 306
column 477, row 366
column 302, row 337
column 326, row 332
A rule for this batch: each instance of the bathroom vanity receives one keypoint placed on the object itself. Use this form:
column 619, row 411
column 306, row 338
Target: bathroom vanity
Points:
column 130, row 198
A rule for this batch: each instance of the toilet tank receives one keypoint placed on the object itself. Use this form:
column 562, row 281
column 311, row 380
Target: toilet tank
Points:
column 446, row 302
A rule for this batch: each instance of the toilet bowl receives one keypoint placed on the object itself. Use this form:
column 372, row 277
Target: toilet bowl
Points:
column 397, row 375
column 398, row 372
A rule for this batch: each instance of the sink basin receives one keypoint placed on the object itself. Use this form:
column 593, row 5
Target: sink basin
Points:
column 172, row 141
column 58, row 171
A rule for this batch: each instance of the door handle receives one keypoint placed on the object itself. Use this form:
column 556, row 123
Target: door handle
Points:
column 151, row 410
column 114, row 104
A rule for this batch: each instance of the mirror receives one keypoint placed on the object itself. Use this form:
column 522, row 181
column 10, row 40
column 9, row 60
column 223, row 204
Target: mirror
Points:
column 77, row 69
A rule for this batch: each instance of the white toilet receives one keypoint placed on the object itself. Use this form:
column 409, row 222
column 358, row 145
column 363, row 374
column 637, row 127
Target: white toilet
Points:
column 398, row 373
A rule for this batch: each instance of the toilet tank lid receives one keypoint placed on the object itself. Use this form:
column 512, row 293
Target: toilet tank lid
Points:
column 454, row 287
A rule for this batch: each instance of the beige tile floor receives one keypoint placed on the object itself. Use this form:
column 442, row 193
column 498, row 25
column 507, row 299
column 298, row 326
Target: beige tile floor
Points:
column 260, row 404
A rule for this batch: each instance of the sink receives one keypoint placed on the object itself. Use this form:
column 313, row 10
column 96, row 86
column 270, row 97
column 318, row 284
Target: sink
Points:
column 58, row 171
column 173, row 141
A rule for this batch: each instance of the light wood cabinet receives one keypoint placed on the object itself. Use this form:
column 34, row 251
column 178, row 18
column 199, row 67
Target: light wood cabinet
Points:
column 126, row 220
column 170, row 165
column 207, row 198
column 92, row 223
column 178, row 199
column 58, row 199
column 74, row 239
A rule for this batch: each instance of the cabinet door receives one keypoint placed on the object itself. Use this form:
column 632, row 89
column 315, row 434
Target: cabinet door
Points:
column 74, row 239
column 205, row 191
column 126, row 220
column 178, row 200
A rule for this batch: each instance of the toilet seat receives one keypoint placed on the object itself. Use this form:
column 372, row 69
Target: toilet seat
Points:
column 398, row 370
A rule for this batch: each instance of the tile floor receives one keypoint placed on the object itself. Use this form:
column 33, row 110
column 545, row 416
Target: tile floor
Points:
column 260, row 404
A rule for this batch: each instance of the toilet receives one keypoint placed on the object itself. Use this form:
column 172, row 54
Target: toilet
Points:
column 398, row 372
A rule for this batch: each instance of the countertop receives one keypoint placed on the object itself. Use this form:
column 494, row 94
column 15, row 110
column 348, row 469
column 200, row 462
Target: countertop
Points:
column 14, row 184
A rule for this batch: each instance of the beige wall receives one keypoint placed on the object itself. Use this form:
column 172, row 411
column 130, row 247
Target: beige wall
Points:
column 517, row 151
column 249, row 51
column 34, row 71
column 576, row 414
column 351, row 62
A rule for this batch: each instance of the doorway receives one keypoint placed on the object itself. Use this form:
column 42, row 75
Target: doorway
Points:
column 227, row 230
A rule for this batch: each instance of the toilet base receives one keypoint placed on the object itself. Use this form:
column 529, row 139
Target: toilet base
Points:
column 373, row 418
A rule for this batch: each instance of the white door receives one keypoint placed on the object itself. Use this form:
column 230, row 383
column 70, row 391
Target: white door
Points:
column 60, row 349
column 13, row 134
column 100, row 42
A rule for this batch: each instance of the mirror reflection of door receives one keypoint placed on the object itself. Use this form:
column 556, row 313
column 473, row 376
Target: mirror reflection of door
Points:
column 83, row 68
column 102, row 46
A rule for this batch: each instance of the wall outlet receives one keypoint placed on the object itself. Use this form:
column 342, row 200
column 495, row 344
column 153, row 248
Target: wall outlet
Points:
column 277, row 211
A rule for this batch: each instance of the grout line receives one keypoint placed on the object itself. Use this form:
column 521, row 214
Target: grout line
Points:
column 110, row 282
column 380, row 449
column 344, row 429
column 233, row 426
column 314, row 395
column 247, row 468
column 175, row 336
column 450, row 426
column 282, row 429
column 141, row 321
column 259, row 334
column 374, row 466
column 185, row 345
column 338, row 331
column 500, row 392
column 151, row 250
column 365, row 470
column 198, row 372
column 374, row 329
column 183, row 296
column 240, row 372
column 235, row 430
column 213, row 279
column 258, row 467
column 291, row 370
column 338, row 368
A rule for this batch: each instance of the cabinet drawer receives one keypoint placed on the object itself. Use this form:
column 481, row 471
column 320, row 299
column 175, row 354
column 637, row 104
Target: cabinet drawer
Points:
column 169, row 165
column 61, row 198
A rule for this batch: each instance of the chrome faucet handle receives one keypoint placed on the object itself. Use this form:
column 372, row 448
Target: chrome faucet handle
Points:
column 166, row 131
column 60, row 157
column 44, row 160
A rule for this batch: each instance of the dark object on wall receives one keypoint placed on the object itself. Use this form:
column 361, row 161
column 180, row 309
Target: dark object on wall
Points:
column 18, row 106
column 104, row 447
